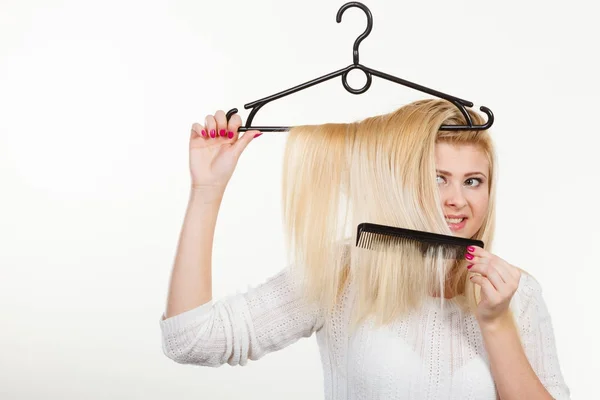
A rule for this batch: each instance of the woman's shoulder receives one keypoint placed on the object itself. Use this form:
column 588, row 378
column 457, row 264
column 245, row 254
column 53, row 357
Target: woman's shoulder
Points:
column 528, row 284
column 528, row 292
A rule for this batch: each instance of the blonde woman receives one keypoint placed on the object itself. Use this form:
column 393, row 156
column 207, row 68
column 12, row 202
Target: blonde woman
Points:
column 390, row 324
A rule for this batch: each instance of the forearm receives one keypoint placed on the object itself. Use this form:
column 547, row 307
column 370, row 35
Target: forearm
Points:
column 191, row 277
column 514, row 377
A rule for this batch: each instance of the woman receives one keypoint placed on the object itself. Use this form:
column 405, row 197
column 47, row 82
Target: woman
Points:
column 418, row 328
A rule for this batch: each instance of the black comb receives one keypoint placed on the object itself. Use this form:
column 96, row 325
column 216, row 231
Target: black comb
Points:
column 369, row 234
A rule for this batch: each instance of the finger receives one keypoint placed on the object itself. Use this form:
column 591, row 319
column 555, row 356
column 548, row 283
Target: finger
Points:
column 242, row 142
column 503, row 269
column 478, row 251
column 511, row 270
column 477, row 259
column 509, row 273
column 488, row 271
column 221, row 119
column 198, row 131
column 517, row 273
column 233, row 125
column 480, row 256
column 485, row 266
column 476, row 254
column 486, row 286
column 211, row 125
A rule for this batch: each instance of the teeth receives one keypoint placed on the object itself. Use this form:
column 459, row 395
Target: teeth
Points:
column 454, row 220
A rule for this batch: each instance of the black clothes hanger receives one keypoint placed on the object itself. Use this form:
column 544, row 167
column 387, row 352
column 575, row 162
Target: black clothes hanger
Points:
column 459, row 103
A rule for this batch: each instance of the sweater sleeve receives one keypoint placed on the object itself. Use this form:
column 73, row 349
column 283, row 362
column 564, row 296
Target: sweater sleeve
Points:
column 537, row 335
column 243, row 326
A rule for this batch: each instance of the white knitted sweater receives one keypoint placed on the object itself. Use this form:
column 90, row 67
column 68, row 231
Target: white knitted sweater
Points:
column 427, row 355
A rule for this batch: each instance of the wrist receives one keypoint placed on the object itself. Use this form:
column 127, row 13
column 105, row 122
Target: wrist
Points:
column 207, row 193
column 501, row 323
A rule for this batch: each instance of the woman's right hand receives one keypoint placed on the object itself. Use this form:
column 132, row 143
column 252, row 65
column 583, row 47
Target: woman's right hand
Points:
column 215, row 148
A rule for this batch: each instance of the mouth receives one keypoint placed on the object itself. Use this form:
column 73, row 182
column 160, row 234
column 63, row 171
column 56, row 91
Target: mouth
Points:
column 456, row 222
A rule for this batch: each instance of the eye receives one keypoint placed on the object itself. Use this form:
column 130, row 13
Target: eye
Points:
column 440, row 179
column 479, row 181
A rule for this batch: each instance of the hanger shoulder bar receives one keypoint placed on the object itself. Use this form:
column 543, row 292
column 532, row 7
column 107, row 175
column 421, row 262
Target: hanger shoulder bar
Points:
column 418, row 87
column 297, row 88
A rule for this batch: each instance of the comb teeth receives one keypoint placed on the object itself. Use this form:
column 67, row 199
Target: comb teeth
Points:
column 377, row 237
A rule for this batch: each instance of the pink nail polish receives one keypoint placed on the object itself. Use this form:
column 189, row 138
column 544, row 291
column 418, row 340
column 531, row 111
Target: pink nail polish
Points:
column 257, row 135
column 471, row 249
column 469, row 266
column 203, row 132
column 469, row 256
column 230, row 135
column 212, row 133
column 222, row 132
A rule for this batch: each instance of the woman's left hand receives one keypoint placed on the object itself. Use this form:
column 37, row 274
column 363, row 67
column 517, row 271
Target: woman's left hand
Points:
column 499, row 281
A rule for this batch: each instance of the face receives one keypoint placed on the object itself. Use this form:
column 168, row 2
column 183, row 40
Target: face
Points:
column 462, row 178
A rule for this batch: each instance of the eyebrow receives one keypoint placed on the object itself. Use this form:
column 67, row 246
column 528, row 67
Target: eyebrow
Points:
column 467, row 174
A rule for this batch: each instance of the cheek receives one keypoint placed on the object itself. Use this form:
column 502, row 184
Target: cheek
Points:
column 479, row 206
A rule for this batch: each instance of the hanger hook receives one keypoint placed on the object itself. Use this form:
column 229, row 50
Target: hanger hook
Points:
column 359, row 39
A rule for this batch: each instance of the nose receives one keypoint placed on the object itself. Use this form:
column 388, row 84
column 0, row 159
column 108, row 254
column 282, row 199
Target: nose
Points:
column 453, row 196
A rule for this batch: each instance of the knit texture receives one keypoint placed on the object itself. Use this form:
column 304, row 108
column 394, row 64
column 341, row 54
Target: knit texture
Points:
column 432, row 353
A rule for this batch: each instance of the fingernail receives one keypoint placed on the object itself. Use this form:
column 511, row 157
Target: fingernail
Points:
column 203, row 132
column 469, row 266
column 469, row 256
column 471, row 249
column 257, row 135
column 212, row 133
column 222, row 132
column 230, row 135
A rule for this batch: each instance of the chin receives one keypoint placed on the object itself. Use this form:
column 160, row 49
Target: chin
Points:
column 462, row 233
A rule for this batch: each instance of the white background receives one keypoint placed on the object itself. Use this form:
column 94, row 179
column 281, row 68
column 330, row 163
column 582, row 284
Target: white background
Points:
column 96, row 104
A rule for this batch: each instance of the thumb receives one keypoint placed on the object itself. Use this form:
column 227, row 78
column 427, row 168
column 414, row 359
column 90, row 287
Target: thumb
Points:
column 242, row 142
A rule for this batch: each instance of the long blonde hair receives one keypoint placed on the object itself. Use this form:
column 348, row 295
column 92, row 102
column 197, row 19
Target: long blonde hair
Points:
column 379, row 170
